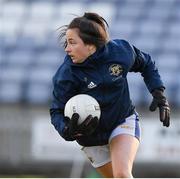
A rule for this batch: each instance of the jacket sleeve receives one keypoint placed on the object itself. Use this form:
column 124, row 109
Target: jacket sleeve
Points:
column 64, row 87
column 143, row 64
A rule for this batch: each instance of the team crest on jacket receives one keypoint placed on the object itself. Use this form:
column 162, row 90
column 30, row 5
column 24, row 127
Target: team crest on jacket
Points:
column 115, row 69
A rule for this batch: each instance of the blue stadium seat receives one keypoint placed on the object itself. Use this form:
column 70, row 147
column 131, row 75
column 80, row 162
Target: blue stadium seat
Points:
column 123, row 29
column 14, row 10
column 131, row 9
column 13, row 73
column 168, row 62
column 40, row 74
column 20, row 57
column 64, row 9
column 10, row 92
column 170, row 80
column 35, row 28
column 174, row 30
column 136, row 88
column 146, row 43
column 151, row 28
column 37, row 93
column 25, row 43
column 171, row 44
column 105, row 9
column 49, row 58
column 39, row 84
column 42, row 11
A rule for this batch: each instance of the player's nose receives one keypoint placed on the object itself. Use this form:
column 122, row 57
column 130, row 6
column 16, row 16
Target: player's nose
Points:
column 67, row 49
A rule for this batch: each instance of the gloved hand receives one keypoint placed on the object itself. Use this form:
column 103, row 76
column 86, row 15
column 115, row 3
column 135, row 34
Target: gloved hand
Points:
column 159, row 100
column 88, row 126
column 72, row 130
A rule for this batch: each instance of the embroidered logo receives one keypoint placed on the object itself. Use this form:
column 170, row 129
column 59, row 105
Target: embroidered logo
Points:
column 115, row 69
column 91, row 85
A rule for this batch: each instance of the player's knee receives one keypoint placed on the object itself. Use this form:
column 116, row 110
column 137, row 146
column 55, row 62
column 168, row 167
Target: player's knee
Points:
column 122, row 174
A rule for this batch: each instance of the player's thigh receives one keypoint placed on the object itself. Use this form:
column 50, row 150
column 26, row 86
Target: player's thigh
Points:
column 106, row 170
column 123, row 149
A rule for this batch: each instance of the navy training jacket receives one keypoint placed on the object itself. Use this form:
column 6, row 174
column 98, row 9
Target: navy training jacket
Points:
column 103, row 75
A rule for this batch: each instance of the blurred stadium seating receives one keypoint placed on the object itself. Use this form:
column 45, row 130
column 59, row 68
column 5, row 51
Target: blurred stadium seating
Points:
column 30, row 54
column 30, row 51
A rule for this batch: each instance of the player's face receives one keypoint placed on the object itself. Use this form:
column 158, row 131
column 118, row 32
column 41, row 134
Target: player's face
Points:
column 76, row 48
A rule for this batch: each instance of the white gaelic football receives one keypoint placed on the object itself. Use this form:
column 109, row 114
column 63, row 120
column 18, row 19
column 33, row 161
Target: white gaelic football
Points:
column 84, row 105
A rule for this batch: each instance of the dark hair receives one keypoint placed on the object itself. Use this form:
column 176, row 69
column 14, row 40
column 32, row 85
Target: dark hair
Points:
column 91, row 28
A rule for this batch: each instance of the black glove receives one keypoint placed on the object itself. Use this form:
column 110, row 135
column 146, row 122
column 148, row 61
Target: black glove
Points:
column 72, row 130
column 88, row 126
column 159, row 100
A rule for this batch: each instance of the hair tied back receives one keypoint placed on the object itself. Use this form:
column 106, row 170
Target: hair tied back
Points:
column 95, row 17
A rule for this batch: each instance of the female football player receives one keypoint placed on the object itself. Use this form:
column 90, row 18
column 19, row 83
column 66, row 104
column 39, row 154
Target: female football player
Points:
column 112, row 142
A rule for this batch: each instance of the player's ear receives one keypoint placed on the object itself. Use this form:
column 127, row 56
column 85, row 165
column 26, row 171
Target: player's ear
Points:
column 91, row 49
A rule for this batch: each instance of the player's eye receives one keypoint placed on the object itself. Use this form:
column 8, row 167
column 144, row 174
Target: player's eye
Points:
column 72, row 43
